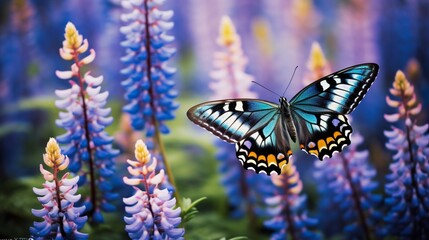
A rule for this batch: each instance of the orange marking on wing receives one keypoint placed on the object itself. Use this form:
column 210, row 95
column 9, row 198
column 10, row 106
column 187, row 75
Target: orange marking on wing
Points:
column 314, row 151
column 289, row 152
column 336, row 134
column 321, row 144
column 262, row 158
column 272, row 160
column 330, row 139
column 253, row 154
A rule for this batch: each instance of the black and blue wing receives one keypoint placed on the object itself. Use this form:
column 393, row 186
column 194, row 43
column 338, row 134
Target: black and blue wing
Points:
column 232, row 120
column 250, row 123
column 339, row 92
column 319, row 109
column 267, row 150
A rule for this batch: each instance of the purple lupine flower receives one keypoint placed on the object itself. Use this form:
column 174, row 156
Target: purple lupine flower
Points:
column 149, row 88
column 242, row 187
column 86, row 143
column 287, row 207
column 345, row 182
column 346, row 188
column 61, row 219
column 153, row 210
column 230, row 79
column 407, row 186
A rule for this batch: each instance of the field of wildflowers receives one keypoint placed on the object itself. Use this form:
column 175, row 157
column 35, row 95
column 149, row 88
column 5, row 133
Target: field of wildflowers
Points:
column 95, row 142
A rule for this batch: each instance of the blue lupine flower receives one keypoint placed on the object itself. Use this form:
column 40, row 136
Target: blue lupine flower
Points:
column 153, row 212
column 244, row 189
column 287, row 207
column 61, row 219
column 85, row 118
column 346, row 188
column 149, row 88
column 407, row 186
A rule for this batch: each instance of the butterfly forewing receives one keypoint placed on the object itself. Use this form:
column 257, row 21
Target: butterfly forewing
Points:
column 339, row 92
column 233, row 120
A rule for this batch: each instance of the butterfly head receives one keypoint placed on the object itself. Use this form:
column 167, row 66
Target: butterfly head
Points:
column 283, row 102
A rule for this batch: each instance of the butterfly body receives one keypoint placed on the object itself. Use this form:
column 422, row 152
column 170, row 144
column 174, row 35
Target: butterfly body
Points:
column 314, row 117
column 286, row 118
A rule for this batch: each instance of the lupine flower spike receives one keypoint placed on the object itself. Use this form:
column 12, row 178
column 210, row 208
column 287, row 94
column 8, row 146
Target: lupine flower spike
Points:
column 152, row 210
column 346, row 189
column 287, row 207
column 149, row 85
column 345, row 181
column 317, row 64
column 230, row 81
column 407, row 186
column 61, row 219
column 86, row 143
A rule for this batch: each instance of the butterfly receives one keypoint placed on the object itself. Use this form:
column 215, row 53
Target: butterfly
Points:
column 315, row 117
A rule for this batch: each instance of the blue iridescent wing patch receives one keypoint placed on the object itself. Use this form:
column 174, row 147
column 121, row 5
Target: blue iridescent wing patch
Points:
column 318, row 109
column 232, row 120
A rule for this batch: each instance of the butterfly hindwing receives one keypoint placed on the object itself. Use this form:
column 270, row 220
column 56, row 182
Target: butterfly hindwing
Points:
column 233, row 120
column 265, row 150
column 328, row 134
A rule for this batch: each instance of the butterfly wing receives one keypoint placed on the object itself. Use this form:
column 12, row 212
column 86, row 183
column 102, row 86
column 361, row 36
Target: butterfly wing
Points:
column 319, row 109
column 267, row 150
column 250, row 123
column 232, row 120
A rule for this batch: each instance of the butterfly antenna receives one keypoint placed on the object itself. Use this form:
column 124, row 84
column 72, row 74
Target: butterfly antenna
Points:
column 290, row 81
column 265, row 88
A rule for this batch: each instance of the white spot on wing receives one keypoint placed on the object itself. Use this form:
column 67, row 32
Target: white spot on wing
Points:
column 226, row 107
column 239, row 106
column 337, row 80
column 324, row 84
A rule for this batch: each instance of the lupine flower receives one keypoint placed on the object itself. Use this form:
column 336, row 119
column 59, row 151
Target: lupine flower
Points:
column 86, row 143
column 230, row 81
column 346, row 188
column 61, row 219
column 407, row 186
column 287, row 207
column 152, row 210
column 317, row 64
column 149, row 88
column 345, row 181
column 149, row 85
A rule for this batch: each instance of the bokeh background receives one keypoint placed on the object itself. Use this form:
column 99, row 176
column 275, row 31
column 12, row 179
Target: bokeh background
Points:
column 276, row 36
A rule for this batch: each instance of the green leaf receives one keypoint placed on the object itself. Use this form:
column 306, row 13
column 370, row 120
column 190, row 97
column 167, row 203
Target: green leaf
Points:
column 189, row 209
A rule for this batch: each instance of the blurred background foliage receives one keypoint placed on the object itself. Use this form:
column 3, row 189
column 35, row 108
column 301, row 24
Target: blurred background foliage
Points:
column 276, row 36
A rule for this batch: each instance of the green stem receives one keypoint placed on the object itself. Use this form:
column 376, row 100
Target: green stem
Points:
column 161, row 149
